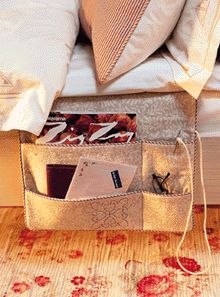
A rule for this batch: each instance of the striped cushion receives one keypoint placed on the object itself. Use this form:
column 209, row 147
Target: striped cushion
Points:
column 125, row 32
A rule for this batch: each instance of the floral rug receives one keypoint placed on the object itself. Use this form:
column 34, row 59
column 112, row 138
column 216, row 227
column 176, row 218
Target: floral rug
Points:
column 106, row 264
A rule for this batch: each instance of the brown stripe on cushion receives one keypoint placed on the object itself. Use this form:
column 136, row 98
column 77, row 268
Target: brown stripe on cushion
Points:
column 119, row 18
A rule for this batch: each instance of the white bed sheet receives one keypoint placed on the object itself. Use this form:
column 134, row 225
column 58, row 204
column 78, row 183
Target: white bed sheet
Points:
column 153, row 75
column 147, row 77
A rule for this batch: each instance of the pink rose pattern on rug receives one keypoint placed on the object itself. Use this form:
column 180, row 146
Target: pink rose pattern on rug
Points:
column 214, row 242
column 162, row 278
column 117, row 239
column 155, row 286
column 74, row 254
column 20, row 288
column 78, row 280
column 42, row 281
column 94, row 286
column 189, row 264
column 145, row 281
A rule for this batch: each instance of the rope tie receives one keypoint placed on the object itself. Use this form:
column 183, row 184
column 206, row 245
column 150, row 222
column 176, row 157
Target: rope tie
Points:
column 180, row 141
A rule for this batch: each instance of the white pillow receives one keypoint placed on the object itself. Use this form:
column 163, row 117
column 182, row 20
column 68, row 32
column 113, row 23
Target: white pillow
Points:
column 36, row 42
column 194, row 44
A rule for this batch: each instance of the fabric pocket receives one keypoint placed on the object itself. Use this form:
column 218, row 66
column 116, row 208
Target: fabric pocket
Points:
column 166, row 212
column 36, row 157
column 131, row 211
column 161, row 159
column 103, row 213
column 139, row 209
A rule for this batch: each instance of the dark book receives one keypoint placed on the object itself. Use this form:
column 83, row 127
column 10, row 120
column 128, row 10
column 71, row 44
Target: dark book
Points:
column 59, row 178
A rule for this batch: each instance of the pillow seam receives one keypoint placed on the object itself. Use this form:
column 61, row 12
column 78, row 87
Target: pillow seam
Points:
column 102, row 80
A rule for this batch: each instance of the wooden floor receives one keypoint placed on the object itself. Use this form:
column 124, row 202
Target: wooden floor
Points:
column 105, row 264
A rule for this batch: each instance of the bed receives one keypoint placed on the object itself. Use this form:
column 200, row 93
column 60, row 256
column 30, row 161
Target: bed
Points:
column 49, row 70
column 146, row 81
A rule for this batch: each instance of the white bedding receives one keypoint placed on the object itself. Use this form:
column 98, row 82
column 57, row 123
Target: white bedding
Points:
column 154, row 75
column 36, row 42
column 29, row 107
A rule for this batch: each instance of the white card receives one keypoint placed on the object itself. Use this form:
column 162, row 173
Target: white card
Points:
column 94, row 178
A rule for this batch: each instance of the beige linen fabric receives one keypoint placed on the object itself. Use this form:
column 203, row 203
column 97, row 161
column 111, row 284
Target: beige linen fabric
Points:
column 107, row 213
column 132, row 211
column 135, row 210
column 166, row 213
column 159, row 116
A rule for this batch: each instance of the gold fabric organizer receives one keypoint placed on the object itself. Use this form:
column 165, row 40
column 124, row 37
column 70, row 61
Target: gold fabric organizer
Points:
column 140, row 208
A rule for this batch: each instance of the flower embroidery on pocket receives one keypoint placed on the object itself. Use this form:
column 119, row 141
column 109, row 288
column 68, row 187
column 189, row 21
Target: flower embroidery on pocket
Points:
column 109, row 214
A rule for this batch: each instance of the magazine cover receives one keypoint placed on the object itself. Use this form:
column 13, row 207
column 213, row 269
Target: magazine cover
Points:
column 66, row 128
